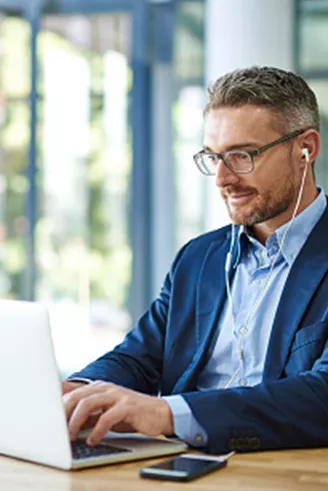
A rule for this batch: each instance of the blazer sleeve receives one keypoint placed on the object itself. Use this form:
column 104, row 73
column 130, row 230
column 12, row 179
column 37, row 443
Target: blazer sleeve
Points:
column 286, row 413
column 137, row 362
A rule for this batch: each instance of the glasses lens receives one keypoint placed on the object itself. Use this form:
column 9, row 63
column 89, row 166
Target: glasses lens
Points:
column 206, row 163
column 238, row 161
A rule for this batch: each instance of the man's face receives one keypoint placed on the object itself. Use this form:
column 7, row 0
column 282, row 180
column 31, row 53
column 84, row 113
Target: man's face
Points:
column 272, row 187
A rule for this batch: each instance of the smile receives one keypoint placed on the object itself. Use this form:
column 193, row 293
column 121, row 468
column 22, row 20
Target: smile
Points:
column 238, row 198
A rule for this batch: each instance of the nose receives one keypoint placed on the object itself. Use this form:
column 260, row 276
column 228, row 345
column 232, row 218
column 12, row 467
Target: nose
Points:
column 224, row 176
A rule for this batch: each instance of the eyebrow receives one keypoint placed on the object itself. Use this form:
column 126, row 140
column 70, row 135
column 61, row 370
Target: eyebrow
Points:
column 239, row 146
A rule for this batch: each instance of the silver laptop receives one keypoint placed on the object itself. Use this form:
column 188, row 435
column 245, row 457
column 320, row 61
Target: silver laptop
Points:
column 32, row 418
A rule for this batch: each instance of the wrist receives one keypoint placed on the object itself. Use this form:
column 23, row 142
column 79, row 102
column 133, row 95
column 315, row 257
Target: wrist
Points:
column 167, row 418
column 68, row 386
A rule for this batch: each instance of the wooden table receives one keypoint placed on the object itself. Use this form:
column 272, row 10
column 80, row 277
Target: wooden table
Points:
column 282, row 470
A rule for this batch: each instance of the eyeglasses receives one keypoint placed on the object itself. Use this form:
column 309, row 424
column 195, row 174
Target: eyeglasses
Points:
column 238, row 161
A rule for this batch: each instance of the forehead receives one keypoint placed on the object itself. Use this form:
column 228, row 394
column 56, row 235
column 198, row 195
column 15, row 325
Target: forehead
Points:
column 230, row 126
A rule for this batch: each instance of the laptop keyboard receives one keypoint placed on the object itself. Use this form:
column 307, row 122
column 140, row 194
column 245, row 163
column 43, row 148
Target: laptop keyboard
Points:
column 81, row 450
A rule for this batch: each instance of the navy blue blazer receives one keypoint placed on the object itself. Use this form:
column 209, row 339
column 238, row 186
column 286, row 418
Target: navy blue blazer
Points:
column 174, row 339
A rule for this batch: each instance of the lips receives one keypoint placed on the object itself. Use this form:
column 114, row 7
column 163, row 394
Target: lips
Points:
column 240, row 196
column 234, row 196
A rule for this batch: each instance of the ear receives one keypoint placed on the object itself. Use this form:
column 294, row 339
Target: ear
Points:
column 309, row 145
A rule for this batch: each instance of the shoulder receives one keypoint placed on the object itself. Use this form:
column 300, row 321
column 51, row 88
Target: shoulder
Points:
column 215, row 236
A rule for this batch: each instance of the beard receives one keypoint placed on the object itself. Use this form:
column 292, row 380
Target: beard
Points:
column 263, row 206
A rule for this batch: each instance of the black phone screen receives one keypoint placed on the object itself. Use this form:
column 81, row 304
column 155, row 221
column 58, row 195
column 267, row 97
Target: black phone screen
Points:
column 184, row 464
column 182, row 468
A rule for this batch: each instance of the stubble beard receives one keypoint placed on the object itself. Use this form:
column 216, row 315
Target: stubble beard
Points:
column 267, row 205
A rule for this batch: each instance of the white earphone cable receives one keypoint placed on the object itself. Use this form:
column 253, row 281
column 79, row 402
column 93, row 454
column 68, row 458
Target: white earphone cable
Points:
column 243, row 330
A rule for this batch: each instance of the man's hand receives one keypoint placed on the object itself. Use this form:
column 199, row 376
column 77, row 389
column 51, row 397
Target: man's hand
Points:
column 69, row 386
column 107, row 406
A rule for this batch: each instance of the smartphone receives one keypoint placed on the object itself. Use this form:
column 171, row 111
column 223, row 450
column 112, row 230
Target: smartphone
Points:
column 183, row 468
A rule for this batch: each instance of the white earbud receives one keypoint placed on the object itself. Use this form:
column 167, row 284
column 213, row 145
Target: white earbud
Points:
column 305, row 152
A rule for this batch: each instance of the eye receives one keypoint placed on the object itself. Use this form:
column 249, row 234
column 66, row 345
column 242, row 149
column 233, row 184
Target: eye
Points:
column 211, row 157
column 239, row 161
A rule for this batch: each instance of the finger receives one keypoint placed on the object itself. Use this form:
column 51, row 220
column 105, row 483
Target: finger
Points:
column 113, row 416
column 86, row 407
column 123, row 428
column 91, row 421
column 72, row 398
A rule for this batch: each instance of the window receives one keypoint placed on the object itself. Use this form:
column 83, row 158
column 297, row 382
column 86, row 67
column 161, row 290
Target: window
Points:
column 188, row 120
column 14, row 148
column 312, row 62
column 83, row 244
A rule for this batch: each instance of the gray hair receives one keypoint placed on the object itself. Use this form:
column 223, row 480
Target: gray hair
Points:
column 285, row 93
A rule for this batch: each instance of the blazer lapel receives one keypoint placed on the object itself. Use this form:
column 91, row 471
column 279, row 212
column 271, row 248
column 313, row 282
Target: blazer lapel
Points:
column 305, row 276
column 209, row 302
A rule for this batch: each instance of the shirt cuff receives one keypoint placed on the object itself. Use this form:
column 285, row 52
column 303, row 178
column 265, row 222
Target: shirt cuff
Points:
column 185, row 425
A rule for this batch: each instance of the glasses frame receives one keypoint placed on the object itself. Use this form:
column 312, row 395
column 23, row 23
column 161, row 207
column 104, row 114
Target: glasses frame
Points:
column 251, row 153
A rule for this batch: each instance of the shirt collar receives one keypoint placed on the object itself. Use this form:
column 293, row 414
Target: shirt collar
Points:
column 299, row 231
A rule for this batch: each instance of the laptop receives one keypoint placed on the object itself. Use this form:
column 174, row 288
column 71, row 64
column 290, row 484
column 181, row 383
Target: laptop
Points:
column 32, row 419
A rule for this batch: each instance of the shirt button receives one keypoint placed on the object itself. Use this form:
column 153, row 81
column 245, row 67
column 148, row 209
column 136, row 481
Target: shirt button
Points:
column 243, row 381
column 199, row 439
column 243, row 330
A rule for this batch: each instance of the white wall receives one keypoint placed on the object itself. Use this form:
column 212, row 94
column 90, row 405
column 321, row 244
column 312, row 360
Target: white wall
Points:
column 242, row 33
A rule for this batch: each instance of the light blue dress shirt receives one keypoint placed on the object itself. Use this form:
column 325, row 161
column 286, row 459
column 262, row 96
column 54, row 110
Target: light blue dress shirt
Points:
column 252, row 269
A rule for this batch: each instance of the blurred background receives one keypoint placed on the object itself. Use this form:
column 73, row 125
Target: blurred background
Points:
column 100, row 113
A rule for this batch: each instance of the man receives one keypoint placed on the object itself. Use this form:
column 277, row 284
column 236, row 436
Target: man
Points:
column 236, row 343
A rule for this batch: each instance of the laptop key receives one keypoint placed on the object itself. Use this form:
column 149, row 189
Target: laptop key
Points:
column 81, row 450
